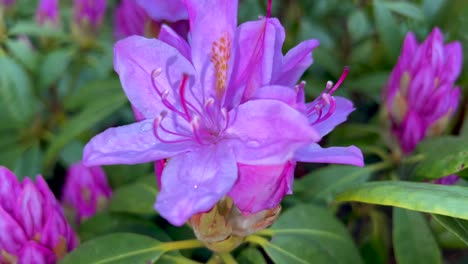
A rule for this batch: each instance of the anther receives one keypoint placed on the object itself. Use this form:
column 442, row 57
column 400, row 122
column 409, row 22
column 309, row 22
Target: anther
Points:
column 156, row 72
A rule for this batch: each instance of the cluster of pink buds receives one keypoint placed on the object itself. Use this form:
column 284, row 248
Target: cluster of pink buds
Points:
column 33, row 228
column 47, row 13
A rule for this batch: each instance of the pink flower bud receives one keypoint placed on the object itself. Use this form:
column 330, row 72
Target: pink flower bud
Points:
column 47, row 12
column 420, row 94
column 86, row 190
column 89, row 13
column 7, row 3
column 33, row 227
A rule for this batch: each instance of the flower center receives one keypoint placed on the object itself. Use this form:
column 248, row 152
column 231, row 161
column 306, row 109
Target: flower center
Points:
column 207, row 119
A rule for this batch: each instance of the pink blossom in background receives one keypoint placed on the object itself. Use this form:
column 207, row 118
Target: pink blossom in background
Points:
column 219, row 108
column 7, row 2
column 33, row 227
column 89, row 12
column 47, row 12
column 447, row 180
column 132, row 18
column 420, row 95
column 86, row 190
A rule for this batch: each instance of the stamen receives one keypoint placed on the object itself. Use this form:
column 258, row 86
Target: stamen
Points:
column 270, row 3
column 340, row 81
column 195, row 123
column 183, row 102
column 226, row 119
column 157, row 124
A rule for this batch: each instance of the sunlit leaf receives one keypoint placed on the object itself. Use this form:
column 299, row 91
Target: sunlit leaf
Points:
column 424, row 197
column 118, row 248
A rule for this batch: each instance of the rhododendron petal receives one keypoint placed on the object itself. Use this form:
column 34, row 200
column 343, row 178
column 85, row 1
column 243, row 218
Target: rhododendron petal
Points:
column 296, row 62
column 34, row 253
column 255, row 132
column 159, row 10
column 261, row 187
column 168, row 35
column 131, row 144
column 135, row 59
column 193, row 182
column 340, row 155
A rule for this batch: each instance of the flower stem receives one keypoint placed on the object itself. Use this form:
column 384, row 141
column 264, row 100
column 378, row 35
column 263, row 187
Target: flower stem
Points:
column 258, row 239
column 227, row 258
column 185, row 244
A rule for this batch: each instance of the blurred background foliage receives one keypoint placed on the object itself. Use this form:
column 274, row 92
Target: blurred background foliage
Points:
column 57, row 90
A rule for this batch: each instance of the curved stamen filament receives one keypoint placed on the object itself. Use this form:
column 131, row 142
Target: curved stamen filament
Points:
column 157, row 124
column 326, row 99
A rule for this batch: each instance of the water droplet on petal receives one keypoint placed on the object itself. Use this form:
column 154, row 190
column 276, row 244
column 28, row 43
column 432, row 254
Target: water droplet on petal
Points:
column 195, row 186
column 253, row 144
column 146, row 127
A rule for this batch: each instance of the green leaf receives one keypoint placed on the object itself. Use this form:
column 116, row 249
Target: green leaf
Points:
column 16, row 95
column 388, row 29
column 358, row 25
column 369, row 84
column 325, row 183
column 413, row 240
column 424, row 197
column 443, row 156
column 107, row 223
column 251, row 256
column 53, row 66
column 406, row 9
column 117, row 248
column 142, row 195
column 326, row 238
column 23, row 52
column 29, row 163
column 456, row 226
column 86, row 119
column 93, row 92
column 31, row 28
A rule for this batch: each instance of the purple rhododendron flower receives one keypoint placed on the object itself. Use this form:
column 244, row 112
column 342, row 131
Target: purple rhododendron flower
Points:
column 420, row 95
column 131, row 18
column 89, row 13
column 164, row 10
column 86, row 190
column 33, row 227
column 218, row 108
column 47, row 12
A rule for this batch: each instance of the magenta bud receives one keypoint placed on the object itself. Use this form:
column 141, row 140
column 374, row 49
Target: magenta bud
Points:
column 447, row 180
column 86, row 190
column 35, row 229
column 47, row 13
column 420, row 94
column 89, row 13
column 7, row 3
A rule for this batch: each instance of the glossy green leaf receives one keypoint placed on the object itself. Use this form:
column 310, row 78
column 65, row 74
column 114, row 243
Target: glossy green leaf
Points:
column 142, row 195
column 24, row 52
column 53, row 66
column 413, row 240
column 30, row 162
column 442, row 156
column 388, row 29
column 325, row 183
column 251, row 256
column 107, row 223
column 424, row 197
column 405, row 8
column 93, row 92
column 81, row 122
column 326, row 238
column 358, row 25
column 31, row 28
column 16, row 95
column 118, row 248
column 456, row 226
